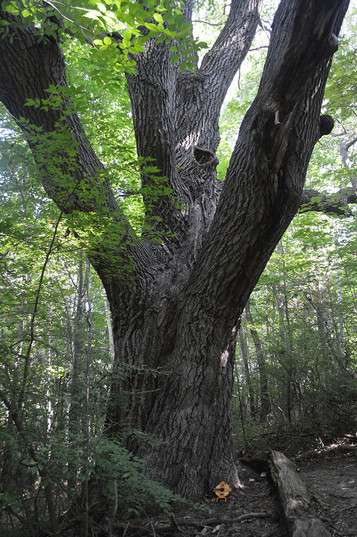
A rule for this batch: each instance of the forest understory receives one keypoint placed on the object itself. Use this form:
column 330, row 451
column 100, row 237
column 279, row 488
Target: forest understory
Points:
column 255, row 510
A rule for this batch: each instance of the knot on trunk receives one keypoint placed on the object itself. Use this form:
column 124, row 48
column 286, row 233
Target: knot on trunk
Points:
column 204, row 156
column 326, row 124
column 333, row 44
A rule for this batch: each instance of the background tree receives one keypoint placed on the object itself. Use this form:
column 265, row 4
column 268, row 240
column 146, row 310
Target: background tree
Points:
column 309, row 280
column 178, row 285
column 311, row 371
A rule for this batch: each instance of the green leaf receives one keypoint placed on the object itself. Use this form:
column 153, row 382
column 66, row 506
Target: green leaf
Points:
column 10, row 7
column 101, row 8
column 92, row 14
column 151, row 26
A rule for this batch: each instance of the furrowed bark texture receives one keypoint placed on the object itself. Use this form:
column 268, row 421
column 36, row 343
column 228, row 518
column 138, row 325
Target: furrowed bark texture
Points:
column 176, row 303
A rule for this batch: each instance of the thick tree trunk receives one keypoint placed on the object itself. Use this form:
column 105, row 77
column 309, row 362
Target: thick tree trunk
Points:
column 183, row 396
column 176, row 301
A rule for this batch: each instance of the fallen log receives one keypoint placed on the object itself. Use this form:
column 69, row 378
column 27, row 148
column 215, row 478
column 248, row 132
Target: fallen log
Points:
column 298, row 505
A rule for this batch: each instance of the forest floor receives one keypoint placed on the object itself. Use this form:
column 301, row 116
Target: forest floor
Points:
column 330, row 475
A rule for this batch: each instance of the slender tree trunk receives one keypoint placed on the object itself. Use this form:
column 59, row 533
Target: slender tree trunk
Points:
column 86, row 427
column 242, row 405
column 76, row 414
column 262, row 366
column 322, row 322
column 244, row 354
column 336, row 316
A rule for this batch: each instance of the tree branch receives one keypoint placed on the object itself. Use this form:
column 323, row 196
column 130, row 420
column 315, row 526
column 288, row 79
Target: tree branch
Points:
column 185, row 140
column 232, row 45
column 30, row 65
column 203, row 92
column 266, row 175
column 72, row 175
column 351, row 143
column 344, row 147
column 336, row 203
column 207, row 22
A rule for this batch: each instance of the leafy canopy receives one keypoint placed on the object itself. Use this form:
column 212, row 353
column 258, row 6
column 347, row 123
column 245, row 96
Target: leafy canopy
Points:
column 119, row 28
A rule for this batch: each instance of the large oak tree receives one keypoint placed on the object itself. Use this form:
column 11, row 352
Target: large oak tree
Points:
column 176, row 293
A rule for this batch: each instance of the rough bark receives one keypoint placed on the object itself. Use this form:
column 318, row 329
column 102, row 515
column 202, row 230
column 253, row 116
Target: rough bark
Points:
column 176, row 302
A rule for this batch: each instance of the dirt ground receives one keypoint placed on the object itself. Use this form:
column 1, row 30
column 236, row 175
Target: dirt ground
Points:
column 330, row 475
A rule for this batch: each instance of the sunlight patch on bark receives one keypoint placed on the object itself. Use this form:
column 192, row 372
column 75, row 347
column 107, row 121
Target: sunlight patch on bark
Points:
column 224, row 358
